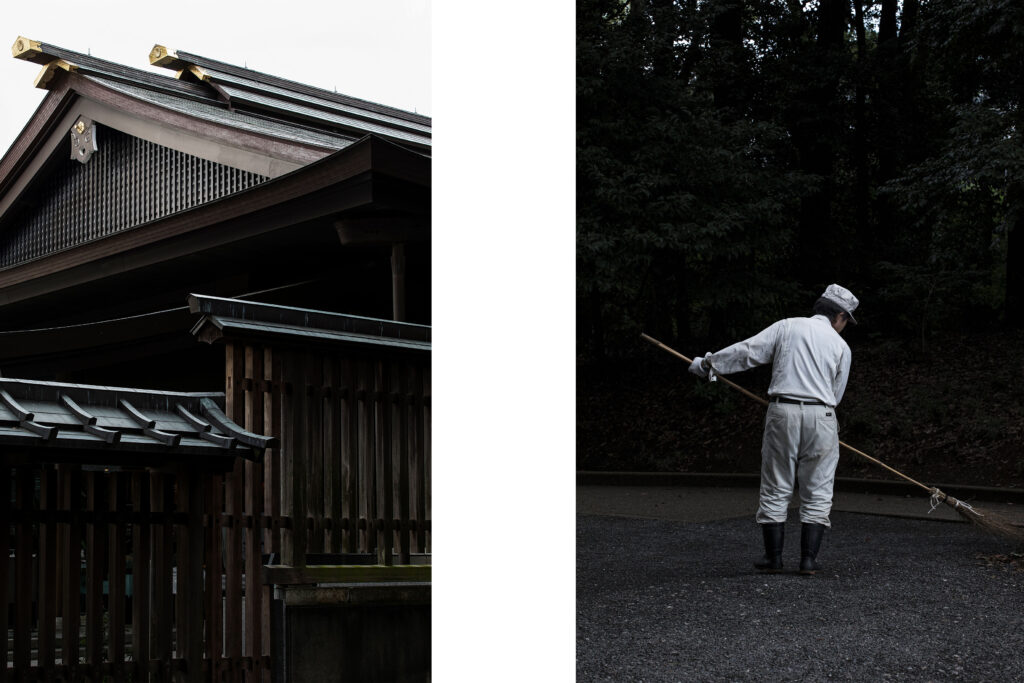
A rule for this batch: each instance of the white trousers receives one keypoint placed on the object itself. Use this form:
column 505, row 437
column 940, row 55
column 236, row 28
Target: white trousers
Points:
column 800, row 445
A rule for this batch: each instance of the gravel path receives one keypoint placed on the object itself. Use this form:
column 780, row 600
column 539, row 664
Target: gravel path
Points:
column 899, row 600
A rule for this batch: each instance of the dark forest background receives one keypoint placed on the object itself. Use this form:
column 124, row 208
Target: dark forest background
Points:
column 734, row 157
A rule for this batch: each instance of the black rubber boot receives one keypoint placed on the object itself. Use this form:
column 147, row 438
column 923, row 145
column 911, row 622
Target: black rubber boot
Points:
column 774, row 534
column 810, row 542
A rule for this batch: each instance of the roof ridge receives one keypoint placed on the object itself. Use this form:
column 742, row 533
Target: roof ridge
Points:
column 270, row 79
column 45, row 53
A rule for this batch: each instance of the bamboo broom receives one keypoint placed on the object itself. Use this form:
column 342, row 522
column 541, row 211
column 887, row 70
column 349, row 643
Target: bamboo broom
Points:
column 985, row 520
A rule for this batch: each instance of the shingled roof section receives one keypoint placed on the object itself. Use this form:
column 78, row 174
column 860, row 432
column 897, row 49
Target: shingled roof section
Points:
column 118, row 426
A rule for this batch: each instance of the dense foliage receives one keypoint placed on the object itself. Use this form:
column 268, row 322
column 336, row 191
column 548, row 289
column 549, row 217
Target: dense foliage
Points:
column 736, row 156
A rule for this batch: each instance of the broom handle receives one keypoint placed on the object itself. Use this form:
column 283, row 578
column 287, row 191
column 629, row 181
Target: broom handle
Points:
column 764, row 402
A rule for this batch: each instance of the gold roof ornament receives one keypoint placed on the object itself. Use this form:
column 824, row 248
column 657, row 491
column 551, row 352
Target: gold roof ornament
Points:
column 161, row 56
column 29, row 50
column 50, row 70
column 198, row 73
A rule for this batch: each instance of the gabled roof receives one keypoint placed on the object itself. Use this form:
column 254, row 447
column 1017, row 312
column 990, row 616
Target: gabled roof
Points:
column 233, row 88
column 219, row 112
column 51, row 421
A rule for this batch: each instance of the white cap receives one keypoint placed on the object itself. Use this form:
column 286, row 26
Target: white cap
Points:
column 843, row 298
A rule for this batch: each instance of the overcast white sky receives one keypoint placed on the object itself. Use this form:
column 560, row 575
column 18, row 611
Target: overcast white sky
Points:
column 374, row 50
column 499, row 82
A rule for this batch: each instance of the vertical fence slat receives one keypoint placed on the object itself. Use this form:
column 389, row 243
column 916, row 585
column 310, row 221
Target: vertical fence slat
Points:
column 5, row 561
column 402, row 436
column 141, row 608
column 272, row 459
column 234, row 500
column 253, row 421
column 23, row 571
column 350, row 455
column 95, row 561
column 314, row 450
column 385, row 492
column 334, row 455
column 70, row 486
column 425, row 447
column 271, row 473
column 115, row 597
column 163, row 605
column 330, row 399
column 184, row 589
column 214, row 581
column 366, row 462
column 288, row 428
column 293, row 422
column 194, row 577
column 418, row 473
column 47, row 571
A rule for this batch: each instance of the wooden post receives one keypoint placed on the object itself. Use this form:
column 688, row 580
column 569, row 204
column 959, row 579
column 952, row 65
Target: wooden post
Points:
column 194, row 577
column 315, row 450
column 385, row 492
column 214, row 566
column 419, row 475
column 398, row 281
column 71, row 482
column 401, row 452
column 254, row 589
column 141, row 610
column 47, row 570
column 116, row 599
column 5, row 562
column 163, row 605
column 365, row 433
column 234, row 500
column 23, row 571
column 350, row 455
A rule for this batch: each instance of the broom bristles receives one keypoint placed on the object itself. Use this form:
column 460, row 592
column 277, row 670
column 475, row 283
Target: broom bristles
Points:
column 986, row 520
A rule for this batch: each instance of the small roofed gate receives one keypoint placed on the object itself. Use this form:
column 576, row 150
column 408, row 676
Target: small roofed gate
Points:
column 111, row 557
column 344, row 500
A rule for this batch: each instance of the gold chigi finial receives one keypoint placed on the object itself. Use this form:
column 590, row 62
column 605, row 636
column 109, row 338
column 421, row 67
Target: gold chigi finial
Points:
column 24, row 48
column 161, row 56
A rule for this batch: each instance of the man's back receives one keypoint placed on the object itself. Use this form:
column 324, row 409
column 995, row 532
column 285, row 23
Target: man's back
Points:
column 811, row 361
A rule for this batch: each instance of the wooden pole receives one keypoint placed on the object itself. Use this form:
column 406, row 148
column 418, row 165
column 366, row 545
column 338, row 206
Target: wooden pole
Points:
column 765, row 402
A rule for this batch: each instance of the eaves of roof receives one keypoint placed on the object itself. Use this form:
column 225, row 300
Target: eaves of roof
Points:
column 236, row 318
column 52, row 421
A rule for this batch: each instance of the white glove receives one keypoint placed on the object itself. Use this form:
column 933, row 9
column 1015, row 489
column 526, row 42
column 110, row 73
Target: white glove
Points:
column 702, row 368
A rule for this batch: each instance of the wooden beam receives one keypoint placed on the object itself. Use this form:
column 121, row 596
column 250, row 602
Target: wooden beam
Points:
column 285, row 575
column 381, row 230
column 50, row 70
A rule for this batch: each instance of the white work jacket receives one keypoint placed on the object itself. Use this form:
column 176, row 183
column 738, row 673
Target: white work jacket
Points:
column 810, row 361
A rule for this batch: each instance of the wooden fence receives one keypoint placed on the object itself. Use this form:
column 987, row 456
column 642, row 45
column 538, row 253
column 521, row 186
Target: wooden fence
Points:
column 159, row 573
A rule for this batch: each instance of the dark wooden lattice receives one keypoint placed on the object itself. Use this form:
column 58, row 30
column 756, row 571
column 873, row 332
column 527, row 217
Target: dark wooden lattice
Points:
column 128, row 182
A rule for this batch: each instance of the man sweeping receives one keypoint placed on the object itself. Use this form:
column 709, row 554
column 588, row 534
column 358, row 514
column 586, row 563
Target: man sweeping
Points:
column 810, row 367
